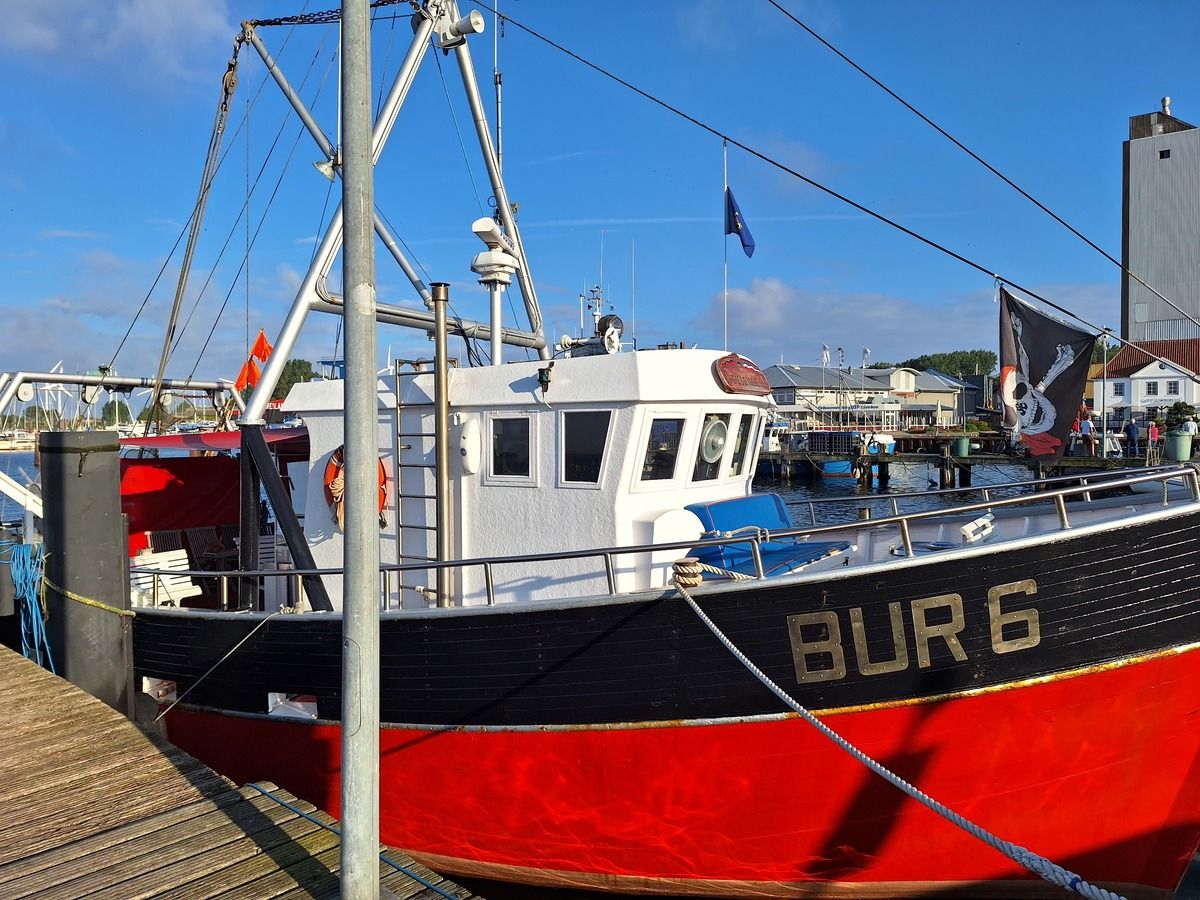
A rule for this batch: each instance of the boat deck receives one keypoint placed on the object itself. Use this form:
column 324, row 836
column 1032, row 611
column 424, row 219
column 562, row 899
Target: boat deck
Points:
column 94, row 806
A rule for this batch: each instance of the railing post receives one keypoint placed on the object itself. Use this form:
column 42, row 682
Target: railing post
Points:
column 906, row 538
column 756, row 552
column 489, row 583
column 1061, row 506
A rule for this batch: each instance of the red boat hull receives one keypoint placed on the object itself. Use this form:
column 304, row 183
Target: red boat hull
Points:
column 1099, row 771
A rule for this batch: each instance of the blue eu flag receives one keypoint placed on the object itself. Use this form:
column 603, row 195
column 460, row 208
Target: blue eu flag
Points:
column 735, row 224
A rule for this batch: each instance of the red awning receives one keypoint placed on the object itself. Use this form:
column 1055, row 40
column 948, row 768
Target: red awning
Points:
column 209, row 440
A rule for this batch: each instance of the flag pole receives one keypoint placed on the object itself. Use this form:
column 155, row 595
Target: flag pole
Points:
column 725, row 243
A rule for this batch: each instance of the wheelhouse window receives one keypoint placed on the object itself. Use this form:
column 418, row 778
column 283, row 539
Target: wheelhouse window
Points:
column 584, row 437
column 741, row 445
column 714, row 435
column 662, row 449
column 510, row 447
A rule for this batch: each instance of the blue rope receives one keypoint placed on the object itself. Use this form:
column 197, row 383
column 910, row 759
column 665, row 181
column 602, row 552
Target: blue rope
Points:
column 26, row 561
column 395, row 865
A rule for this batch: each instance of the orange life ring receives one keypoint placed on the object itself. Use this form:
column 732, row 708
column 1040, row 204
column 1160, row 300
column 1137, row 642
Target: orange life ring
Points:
column 335, row 486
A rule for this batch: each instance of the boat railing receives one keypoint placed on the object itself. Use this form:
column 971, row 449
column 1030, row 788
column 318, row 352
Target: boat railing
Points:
column 392, row 574
column 1111, row 481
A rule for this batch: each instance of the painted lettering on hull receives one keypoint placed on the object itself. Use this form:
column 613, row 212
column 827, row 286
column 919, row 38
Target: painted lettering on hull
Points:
column 820, row 653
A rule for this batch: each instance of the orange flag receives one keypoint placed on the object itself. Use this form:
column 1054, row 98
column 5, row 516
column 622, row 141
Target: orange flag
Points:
column 248, row 377
column 261, row 349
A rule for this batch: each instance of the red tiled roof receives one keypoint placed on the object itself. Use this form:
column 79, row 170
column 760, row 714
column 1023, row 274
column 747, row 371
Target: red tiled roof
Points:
column 1132, row 357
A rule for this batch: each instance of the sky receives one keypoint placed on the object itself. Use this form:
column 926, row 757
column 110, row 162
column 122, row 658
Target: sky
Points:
column 108, row 131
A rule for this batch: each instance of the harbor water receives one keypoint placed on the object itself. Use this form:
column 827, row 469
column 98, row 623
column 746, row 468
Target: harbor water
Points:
column 17, row 465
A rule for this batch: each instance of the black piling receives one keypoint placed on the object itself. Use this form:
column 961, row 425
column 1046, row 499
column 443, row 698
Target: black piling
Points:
column 946, row 469
column 87, row 560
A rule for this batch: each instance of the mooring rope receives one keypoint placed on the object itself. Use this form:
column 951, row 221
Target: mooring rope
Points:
column 687, row 575
column 232, row 650
column 383, row 856
column 25, row 562
column 88, row 601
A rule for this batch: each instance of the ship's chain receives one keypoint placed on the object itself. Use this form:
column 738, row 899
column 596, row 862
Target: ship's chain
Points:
column 319, row 18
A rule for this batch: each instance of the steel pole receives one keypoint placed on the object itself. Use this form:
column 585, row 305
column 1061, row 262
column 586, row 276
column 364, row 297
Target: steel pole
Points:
column 1104, row 402
column 497, row 292
column 441, row 401
column 360, row 602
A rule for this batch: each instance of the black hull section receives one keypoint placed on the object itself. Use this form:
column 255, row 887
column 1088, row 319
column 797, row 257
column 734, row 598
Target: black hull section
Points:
column 943, row 624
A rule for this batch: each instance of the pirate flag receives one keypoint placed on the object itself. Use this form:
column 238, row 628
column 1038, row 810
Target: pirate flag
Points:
column 1043, row 369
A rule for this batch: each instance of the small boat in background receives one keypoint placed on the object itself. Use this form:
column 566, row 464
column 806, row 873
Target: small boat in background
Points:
column 17, row 440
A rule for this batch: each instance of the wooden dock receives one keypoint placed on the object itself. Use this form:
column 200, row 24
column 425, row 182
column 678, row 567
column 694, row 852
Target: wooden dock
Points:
column 94, row 806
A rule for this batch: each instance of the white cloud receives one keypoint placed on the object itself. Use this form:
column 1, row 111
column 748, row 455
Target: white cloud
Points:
column 771, row 319
column 133, row 37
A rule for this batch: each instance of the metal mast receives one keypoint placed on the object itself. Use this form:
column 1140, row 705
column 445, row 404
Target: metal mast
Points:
column 360, row 604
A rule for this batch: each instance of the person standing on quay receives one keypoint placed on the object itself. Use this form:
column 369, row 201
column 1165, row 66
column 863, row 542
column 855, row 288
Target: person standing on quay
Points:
column 1131, row 438
column 1085, row 431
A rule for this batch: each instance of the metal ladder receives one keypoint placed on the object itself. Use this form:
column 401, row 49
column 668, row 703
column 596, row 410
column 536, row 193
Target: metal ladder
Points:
column 413, row 448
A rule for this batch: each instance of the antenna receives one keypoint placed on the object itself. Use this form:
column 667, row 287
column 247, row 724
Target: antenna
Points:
column 496, row 80
column 633, row 289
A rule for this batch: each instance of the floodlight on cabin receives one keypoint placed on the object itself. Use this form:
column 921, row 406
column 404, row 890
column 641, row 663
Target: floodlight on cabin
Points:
column 325, row 167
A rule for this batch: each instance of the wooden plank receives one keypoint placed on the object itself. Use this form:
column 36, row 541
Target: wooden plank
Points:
column 179, row 839
column 64, row 854
column 174, row 875
column 295, row 865
column 95, row 806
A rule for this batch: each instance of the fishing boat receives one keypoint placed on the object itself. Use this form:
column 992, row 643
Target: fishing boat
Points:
column 585, row 612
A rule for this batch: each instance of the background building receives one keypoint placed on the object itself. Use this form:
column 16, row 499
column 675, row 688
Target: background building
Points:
column 1140, row 386
column 1161, row 227
column 895, row 399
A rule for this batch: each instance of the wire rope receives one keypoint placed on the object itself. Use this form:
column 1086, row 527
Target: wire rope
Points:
column 842, row 198
column 244, row 212
column 453, row 118
column 184, row 229
column 983, row 162
column 258, row 229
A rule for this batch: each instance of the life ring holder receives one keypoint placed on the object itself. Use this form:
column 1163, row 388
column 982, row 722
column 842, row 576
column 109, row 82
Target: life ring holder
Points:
column 334, row 484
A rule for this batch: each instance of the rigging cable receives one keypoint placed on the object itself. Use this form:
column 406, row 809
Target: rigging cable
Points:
column 453, row 118
column 878, row 216
column 184, row 230
column 983, row 162
column 228, row 84
column 261, row 221
column 245, row 211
